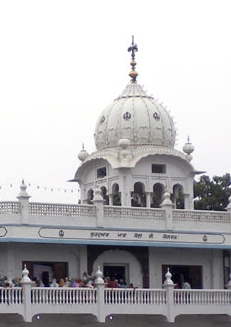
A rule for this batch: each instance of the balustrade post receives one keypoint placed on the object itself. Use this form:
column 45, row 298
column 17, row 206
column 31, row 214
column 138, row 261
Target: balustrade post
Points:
column 99, row 282
column 148, row 199
column 169, row 286
column 26, row 291
column 98, row 202
column 167, row 205
column 23, row 198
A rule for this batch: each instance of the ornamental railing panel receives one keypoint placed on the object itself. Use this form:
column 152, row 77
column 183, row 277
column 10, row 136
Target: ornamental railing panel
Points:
column 115, row 212
column 202, row 297
column 49, row 209
column 201, row 216
column 10, row 207
column 52, row 295
column 10, row 296
column 135, row 296
column 29, row 301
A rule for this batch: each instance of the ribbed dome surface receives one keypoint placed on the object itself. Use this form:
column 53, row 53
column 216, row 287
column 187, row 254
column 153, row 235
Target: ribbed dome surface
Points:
column 137, row 117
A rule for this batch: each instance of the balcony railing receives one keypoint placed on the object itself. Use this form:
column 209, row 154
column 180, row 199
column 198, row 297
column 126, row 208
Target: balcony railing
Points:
column 101, row 302
column 114, row 301
column 99, row 215
column 10, row 207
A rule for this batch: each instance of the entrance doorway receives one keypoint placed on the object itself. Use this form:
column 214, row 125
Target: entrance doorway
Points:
column 117, row 271
column 46, row 271
column 182, row 274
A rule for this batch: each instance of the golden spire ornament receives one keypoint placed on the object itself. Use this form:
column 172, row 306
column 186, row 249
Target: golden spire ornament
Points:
column 133, row 48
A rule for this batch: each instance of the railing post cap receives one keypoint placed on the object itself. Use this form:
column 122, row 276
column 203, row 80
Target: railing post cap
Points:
column 23, row 193
column 168, row 280
column 166, row 200
column 25, row 276
column 98, row 196
column 99, row 275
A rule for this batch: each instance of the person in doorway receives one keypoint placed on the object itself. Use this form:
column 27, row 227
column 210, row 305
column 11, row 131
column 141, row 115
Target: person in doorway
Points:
column 122, row 283
column 186, row 286
column 54, row 283
column 89, row 284
column 67, row 282
column 106, row 281
column 61, row 282
column 132, row 286
column 113, row 283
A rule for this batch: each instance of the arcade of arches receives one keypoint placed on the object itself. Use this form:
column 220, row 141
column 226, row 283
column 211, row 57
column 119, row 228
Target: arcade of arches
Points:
column 139, row 197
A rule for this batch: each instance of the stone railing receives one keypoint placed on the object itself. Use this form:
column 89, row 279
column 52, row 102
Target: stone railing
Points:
column 202, row 297
column 11, row 295
column 136, row 296
column 203, row 216
column 115, row 212
column 64, row 295
column 103, row 216
column 100, row 215
column 10, row 207
column 50, row 209
column 101, row 302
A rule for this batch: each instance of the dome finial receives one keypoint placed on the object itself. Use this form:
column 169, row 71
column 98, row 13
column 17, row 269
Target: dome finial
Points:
column 188, row 148
column 133, row 48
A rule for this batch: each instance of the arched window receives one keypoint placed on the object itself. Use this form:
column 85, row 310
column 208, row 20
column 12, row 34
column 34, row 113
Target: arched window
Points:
column 90, row 195
column 116, row 196
column 157, row 195
column 138, row 196
column 104, row 195
column 177, row 196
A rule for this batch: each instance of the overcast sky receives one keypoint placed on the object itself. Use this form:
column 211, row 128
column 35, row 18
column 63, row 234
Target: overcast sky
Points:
column 63, row 62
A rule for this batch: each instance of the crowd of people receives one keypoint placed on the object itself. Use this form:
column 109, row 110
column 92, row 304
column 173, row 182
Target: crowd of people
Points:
column 65, row 282
column 8, row 282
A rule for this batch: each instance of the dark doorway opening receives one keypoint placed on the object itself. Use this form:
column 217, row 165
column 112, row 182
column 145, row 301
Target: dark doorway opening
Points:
column 182, row 274
column 117, row 272
column 46, row 271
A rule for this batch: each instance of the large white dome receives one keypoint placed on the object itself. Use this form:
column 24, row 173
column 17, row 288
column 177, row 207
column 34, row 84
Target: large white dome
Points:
column 137, row 117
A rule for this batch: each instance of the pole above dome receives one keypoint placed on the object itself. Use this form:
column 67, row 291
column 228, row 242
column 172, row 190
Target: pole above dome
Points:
column 133, row 48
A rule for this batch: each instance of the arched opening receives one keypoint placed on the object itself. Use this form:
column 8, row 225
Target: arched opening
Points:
column 120, row 264
column 157, row 195
column 116, row 196
column 90, row 195
column 104, row 195
column 138, row 196
column 177, row 196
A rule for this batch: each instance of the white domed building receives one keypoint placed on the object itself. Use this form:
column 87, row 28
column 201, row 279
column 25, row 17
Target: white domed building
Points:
column 135, row 226
column 135, row 161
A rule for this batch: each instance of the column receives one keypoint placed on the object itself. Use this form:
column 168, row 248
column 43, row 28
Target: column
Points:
column 23, row 198
column 26, row 288
column 169, row 286
column 99, row 282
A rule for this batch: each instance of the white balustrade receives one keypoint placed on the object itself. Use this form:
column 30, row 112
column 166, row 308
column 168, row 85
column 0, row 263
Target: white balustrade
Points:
column 202, row 297
column 125, row 301
column 50, row 209
column 11, row 295
column 110, row 215
column 10, row 207
column 134, row 296
column 117, row 213
column 204, row 216
column 64, row 295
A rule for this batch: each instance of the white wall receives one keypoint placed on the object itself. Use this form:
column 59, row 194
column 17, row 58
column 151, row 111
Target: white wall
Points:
column 13, row 254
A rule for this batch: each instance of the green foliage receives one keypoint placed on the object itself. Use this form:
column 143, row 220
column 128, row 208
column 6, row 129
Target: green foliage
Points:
column 212, row 194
